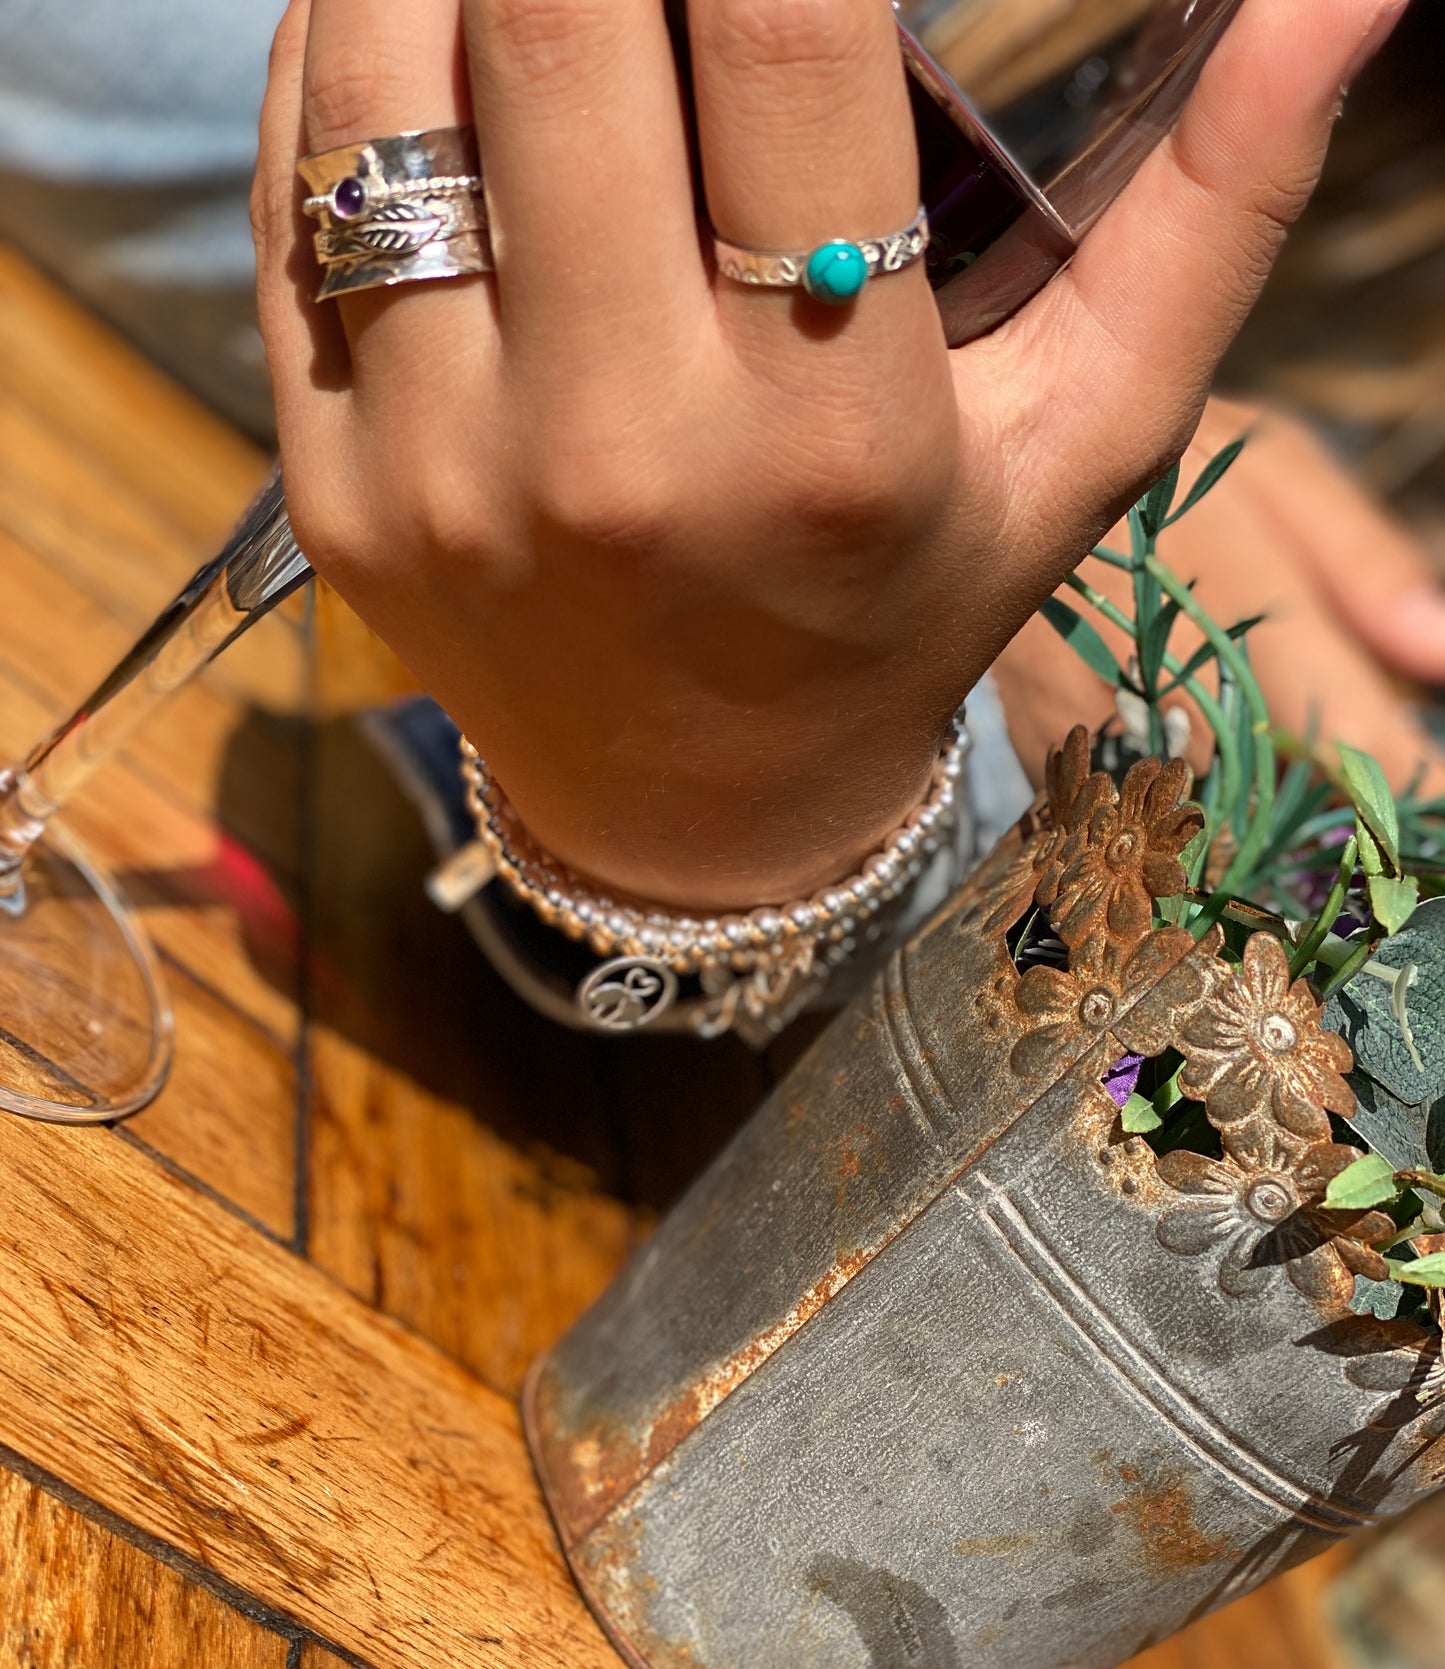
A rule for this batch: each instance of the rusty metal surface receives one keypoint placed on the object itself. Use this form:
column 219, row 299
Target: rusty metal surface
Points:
column 914, row 1378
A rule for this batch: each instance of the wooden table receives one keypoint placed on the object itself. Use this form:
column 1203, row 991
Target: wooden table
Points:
column 259, row 1347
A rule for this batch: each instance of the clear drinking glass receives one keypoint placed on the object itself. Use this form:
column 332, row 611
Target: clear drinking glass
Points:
column 85, row 1024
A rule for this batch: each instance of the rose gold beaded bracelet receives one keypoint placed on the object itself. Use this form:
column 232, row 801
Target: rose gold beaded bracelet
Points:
column 764, row 965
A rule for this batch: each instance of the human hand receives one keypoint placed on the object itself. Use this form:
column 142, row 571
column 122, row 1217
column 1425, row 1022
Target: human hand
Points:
column 703, row 570
column 1350, row 607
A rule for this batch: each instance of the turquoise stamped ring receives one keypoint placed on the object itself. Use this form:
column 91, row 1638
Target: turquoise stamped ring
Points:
column 833, row 273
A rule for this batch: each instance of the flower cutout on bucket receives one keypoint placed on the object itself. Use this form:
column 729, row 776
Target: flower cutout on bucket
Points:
column 1262, row 1203
column 1095, row 1015
column 1119, row 852
column 1259, row 1048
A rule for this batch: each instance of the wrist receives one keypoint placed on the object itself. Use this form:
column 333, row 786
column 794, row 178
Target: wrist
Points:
column 742, row 833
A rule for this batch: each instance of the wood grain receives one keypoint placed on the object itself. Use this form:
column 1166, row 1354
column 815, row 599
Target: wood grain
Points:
column 1280, row 1626
column 419, row 1208
column 230, row 1400
column 91, row 1601
column 219, row 916
column 228, row 1114
column 317, row 1657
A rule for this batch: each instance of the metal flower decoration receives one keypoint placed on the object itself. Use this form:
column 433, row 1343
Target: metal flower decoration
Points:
column 1119, row 851
column 1262, row 1204
column 1259, row 1048
column 1101, row 1012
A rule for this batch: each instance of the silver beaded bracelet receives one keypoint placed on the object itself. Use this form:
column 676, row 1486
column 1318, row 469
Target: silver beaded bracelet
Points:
column 759, row 969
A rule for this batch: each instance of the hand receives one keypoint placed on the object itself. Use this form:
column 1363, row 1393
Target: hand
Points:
column 703, row 572
column 1350, row 608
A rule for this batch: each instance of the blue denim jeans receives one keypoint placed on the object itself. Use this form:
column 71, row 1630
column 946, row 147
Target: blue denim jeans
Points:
column 127, row 142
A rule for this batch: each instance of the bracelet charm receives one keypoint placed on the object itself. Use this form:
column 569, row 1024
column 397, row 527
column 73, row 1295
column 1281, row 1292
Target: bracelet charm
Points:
column 755, row 973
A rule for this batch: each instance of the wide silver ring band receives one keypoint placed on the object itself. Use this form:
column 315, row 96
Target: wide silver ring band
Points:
column 397, row 210
column 786, row 269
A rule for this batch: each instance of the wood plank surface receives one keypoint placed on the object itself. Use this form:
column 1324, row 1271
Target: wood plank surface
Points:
column 1282, row 1625
column 87, row 1599
column 235, row 1404
column 417, row 1207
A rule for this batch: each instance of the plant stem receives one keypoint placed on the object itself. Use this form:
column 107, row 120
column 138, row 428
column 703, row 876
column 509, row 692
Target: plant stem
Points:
column 1347, row 970
column 1253, row 842
column 1204, row 700
column 1309, row 946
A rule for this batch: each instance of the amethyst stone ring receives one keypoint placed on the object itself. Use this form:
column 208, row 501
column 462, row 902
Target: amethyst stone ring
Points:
column 397, row 209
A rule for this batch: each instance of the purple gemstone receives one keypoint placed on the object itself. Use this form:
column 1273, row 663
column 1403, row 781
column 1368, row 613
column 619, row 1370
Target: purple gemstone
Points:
column 348, row 199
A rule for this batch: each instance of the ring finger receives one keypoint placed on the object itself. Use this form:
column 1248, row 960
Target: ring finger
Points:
column 803, row 121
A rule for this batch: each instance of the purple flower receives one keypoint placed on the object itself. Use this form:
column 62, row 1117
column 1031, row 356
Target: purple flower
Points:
column 1122, row 1078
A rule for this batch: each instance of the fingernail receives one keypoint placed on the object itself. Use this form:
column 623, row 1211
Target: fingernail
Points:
column 1376, row 35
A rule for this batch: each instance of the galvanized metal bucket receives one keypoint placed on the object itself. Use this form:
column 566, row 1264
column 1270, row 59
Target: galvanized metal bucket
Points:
column 931, row 1370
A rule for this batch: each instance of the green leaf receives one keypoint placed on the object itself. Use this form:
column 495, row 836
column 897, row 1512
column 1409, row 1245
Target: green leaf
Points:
column 1190, row 857
column 1373, row 800
column 1377, row 1298
column 1422, row 1272
column 1393, row 900
column 1372, row 859
column 1154, row 641
column 1138, row 1115
column 1155, row 506
column 1210, row 477
column 1363, row 1012
column 1369, row 1181
column 1392, row 1127
column 1206, row 652
column 1084, row 641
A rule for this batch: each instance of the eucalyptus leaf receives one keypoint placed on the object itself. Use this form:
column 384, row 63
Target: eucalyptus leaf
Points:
column 1362, row 1012
column 1393, row 1127
column 1369, row 1181
column 1084, row 641
column 1138, row 1115
column 1422, row 1272
column 1373, row 799
column 1382, row 1299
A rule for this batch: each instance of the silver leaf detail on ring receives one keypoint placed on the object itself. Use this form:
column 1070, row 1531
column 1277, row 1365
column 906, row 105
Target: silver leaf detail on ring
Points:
column 398, row 228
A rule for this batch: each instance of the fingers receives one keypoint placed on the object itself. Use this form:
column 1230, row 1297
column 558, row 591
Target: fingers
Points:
column 1133, row 330
column 305, row 349
column 375, row 68
column 803, row 122
column 580, row 122
column 1372, row 574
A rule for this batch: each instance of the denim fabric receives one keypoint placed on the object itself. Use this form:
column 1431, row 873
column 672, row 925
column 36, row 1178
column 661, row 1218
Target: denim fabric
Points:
column 127, row 141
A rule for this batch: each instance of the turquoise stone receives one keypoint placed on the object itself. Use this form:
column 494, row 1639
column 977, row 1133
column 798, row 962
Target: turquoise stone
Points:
column 835, row 273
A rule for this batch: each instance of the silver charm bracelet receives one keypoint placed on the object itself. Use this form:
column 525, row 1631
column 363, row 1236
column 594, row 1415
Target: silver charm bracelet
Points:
column 758, row 969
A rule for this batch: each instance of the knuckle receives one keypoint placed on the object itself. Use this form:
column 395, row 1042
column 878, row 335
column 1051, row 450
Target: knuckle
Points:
column 327, row 534
column 858, row 491
column 546, row 42
column 791, row 35
column 609, row 497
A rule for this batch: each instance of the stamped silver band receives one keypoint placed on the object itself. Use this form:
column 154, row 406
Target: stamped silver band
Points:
column 788, row 269
column 397, row 210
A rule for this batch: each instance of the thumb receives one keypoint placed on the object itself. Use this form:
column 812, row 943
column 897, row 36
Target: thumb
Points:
column 1132, row 332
